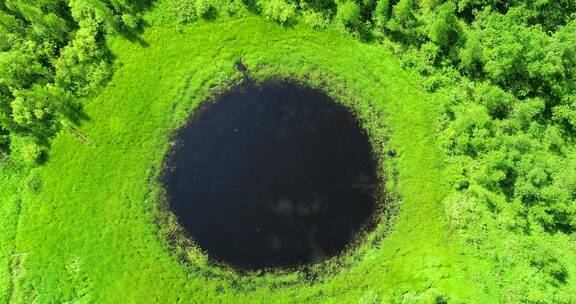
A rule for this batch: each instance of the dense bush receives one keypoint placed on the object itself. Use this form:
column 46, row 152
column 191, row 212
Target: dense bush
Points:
column 381, row 14
column 279, row 10
column 190, row 10
column 348, row 15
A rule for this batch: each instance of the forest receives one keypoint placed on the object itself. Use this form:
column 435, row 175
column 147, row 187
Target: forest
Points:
column 502, row 74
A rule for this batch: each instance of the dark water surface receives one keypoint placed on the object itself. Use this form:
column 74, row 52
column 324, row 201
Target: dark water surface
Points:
column 272, row 176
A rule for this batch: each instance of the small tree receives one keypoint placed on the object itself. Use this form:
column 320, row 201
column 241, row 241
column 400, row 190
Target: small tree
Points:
column 403, row 18
column 348, row 16
column 445, row 29
column 278, row 10
column 381, row 14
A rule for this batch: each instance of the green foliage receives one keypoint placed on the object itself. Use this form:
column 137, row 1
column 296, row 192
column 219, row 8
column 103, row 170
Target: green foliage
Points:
column 184, row 10
column 279, row 10
column 26, row 150
column 403, row 17
column 51, row 53
column 497, row 102
column 206, row 8
column 471, row 56
column 34, row 183
column 550, row 14
column 83, row 65
column 40, row 108
column 381, row 14
column 190, row 10
column 319, row 5
column 348, row 16
column 4, row 141
column 316, row 19
column 445, row 29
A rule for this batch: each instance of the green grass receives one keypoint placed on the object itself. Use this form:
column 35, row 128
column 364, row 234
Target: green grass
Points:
column 9, row 211
column 90, row 233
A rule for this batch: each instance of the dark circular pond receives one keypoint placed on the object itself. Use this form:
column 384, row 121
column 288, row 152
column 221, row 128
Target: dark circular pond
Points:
column 276, row 175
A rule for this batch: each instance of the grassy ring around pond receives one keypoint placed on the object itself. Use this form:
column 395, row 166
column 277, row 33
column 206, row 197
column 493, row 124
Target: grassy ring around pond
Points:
column 101, row 225
column 275, row 175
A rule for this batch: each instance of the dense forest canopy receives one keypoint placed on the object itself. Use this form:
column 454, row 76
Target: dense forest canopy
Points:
column 506, row 71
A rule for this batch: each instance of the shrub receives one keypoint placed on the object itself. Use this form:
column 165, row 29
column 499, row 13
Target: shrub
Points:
column 278, row 10
column 34, row 182
column 206, row 9
column 4, row 140
column 184, row 10
column 315, row 19
column 403, row 16
column 381, row 14
column 26, row 150
column 130, row 21
column 445, row 29
column 348, row 16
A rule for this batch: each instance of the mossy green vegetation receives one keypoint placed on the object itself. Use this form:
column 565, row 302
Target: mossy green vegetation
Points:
column 469, row 104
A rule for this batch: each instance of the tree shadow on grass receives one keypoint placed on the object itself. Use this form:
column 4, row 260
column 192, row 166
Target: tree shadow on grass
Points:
column 133, row 34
